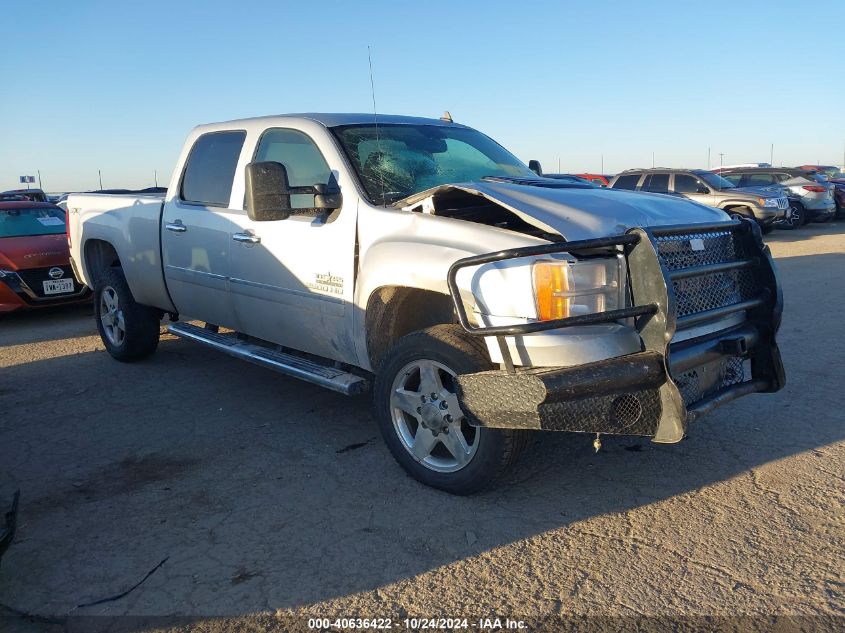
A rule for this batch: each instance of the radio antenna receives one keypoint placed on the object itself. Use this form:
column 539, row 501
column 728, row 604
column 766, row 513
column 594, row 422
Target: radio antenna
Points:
column 375, row 121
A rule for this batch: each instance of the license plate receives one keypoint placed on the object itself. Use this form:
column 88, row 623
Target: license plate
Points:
column 58, row 286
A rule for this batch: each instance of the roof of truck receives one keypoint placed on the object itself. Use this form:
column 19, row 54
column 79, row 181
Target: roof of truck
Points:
column 332, row 119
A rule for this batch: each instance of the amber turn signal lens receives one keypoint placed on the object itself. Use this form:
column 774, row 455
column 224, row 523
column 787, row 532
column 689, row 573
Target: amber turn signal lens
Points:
column 551, row 281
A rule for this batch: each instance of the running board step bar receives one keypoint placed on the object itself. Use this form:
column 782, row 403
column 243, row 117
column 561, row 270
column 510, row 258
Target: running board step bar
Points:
column 288, row 364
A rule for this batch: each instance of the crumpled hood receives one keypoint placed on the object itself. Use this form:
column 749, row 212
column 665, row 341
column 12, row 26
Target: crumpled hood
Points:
column 584, row 213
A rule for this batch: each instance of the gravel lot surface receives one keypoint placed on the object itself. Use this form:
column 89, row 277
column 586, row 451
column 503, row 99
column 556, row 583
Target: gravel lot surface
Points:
column 268, row 497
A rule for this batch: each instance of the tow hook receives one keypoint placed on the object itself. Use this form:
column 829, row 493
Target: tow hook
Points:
column 597, row 442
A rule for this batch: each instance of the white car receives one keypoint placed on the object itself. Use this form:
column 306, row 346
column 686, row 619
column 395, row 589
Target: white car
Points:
column 419, row 259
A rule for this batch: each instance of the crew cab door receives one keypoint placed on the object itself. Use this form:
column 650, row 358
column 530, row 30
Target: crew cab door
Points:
column 196, row 230
column 292, row 280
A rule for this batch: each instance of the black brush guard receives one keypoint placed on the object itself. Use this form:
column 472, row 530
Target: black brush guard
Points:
column 680, row 277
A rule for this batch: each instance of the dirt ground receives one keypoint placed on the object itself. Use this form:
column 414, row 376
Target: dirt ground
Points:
column 270, row 500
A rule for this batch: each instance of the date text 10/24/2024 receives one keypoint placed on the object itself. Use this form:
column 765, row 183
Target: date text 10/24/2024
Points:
column 416, row 624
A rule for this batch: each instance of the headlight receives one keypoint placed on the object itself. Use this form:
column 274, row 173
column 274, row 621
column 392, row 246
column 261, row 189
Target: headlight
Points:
column 768, row 202
column 563, row 289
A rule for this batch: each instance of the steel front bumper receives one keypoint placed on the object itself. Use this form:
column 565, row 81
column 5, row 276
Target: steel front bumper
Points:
column 678, row 287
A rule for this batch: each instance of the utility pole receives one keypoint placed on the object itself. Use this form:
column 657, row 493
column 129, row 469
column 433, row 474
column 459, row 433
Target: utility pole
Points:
column 39, row 181
column 772, row 155
column 155, row 177
column 100, row 174
column 708, row 159
column 721, row 156
column 602, row 164
column 558, row 164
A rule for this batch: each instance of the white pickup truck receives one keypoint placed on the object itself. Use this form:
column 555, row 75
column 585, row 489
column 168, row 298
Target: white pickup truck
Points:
column 419, row 259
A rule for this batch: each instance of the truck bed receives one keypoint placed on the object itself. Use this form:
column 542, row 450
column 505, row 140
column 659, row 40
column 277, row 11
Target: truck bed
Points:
column 124, row 227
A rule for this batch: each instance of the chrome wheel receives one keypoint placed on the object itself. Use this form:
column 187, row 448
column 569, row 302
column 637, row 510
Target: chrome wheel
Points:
column 428, row 419
column 111, row 316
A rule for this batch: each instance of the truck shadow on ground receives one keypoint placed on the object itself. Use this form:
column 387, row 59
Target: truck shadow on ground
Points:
column 266, row 493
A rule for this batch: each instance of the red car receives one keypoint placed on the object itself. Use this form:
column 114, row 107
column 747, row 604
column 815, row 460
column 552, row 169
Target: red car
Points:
column 34, row 258
column 597, row 179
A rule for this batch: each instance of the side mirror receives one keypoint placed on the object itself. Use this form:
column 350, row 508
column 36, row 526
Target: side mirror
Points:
column 534, row 165
column 267, row 191
column 328, row 197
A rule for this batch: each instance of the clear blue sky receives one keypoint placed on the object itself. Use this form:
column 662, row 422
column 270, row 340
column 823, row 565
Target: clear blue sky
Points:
column 117, row 85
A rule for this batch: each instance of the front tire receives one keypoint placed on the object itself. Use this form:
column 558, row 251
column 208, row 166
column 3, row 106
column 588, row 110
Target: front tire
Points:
column 420, row 419
column 128, row 329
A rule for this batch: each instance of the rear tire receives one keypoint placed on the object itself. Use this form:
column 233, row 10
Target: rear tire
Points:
column 419, row 365
column 128, row 329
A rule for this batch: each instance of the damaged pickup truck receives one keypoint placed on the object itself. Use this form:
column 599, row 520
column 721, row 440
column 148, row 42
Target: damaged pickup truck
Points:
column 419, row 259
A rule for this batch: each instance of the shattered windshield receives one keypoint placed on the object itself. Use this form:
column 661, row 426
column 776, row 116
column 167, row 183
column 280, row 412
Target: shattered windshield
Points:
column 396, row 161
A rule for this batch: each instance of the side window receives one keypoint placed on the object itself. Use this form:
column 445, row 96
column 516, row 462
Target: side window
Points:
column 734, row 178
column 685, row 183
column 301, row 157
column 657, row 183
column 210, row 168
column 628, row 181
column 759, row 180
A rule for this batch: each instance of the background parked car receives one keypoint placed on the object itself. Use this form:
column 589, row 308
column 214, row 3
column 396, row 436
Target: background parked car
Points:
column 763, row 205
column 597, row 179
column 839, row 195
column 572, row 178
column 35, row 195
column 831, row 171
column 810, row 197
column 34, row 258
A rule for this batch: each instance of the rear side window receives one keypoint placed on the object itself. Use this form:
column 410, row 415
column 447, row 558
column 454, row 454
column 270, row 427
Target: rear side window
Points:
column 757, row 180
column 627, row 182
column 656, row 183
column 210, row 168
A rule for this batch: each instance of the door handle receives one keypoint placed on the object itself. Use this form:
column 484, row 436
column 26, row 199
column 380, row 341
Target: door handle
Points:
column 246, row 238
column 176, row 227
